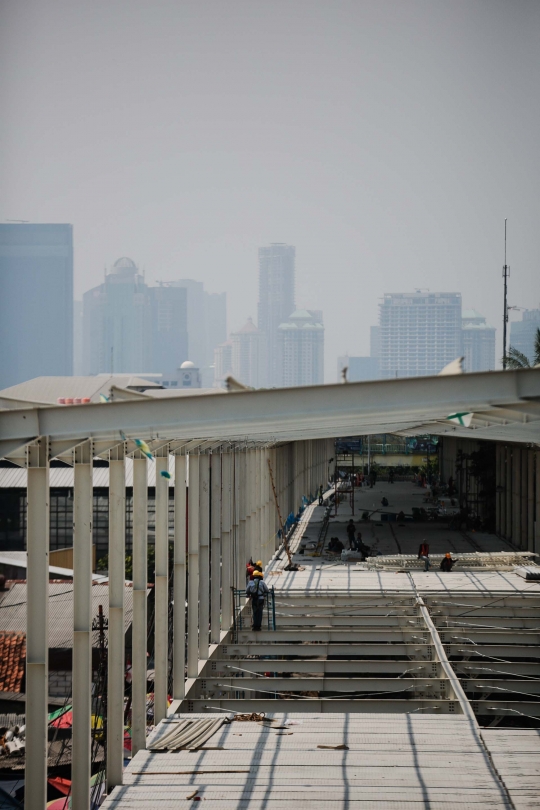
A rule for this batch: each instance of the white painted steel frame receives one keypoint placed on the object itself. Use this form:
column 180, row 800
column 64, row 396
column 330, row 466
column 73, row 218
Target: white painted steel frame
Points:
column 82, row 627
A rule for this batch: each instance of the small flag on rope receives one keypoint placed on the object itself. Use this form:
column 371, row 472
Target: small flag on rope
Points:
column 143, row 447
column 463, row 419
column 165, row 474
column 103, row 398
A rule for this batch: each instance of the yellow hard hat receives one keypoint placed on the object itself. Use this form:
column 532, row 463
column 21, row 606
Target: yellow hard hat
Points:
column 257, row 573
column 259, row 562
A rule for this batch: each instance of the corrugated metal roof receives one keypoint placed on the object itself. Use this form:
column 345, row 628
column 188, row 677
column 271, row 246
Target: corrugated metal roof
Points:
column 62, row 477
column 49, row 389
column 13, row 610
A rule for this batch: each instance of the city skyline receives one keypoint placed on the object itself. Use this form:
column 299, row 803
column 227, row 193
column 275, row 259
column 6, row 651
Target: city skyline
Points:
column 375, row 144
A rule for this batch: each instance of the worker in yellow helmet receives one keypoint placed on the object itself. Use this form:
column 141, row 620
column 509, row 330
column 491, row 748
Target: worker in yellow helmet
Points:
column 256, row 591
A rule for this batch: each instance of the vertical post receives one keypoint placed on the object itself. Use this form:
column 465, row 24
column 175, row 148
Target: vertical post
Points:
column 508, row 493
column 140, row 583
column 82, row 627
column 215, row 531
column 536, row 546
column 204, row 555
column 193, row 566
column 530, row 500
column 226, row 556
column 37, row 625
column 179, row 610
column 161, row 635
column 516, row 496
column 241, row 498
column 506, row 273
column 115, row 657
column 498, row 501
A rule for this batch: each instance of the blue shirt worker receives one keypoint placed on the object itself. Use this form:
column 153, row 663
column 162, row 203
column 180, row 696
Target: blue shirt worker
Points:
column 256, row 591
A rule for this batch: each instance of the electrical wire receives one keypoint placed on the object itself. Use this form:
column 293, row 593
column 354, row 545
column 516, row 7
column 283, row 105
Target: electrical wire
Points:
column 501, row 672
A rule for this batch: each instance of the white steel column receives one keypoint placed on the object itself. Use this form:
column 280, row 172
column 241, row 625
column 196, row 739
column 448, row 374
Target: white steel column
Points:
column 241, row 499
column 179, row 582
column 193, row 566
column 536, row 547
column 204, row 555
column 235, row 507
column 37, row 625
column 115, row 655
column 139, row 662
column 161, row 634
column 82, row 627
column 226, row 555
column 530, row 500
column 215, row 532
column 248, row 486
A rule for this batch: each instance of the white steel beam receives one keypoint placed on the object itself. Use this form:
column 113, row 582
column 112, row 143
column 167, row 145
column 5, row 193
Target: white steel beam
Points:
column 297, row 413
column 204, row 555
column 215, row 531
column 193, row 565
column 161, row 644
column 115, row 653
column 179, row 582
column 37, row 626
column 226, row 537
column 82, row 627
column 140, row 585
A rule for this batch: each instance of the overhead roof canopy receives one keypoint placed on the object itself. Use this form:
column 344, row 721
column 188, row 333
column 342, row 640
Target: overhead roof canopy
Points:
column 506, row 407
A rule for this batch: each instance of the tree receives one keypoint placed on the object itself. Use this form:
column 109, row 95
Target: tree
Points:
column 516, row 359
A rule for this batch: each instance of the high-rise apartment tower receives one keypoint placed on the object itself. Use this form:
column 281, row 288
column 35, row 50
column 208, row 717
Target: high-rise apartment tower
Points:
column 276, row 302
column 420, row 333
column 36, row 301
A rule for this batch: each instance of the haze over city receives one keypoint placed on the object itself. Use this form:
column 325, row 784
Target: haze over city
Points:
column 386, row 141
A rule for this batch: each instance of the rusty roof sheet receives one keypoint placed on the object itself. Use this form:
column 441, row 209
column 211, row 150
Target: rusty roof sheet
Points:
column 12, row 661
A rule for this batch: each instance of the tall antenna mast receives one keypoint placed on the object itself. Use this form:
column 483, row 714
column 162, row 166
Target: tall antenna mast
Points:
column 506, row 273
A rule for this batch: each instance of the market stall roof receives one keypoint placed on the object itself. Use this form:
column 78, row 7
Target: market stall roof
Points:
column 505, row 406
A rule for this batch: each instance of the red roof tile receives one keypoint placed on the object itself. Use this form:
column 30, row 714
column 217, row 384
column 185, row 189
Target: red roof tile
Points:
column 12, row 661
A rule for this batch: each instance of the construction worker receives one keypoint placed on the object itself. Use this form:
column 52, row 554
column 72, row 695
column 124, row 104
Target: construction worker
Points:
column 256, row 591
column 258, row 566
column 447, row 563
column 351, row 531
column 423, row 554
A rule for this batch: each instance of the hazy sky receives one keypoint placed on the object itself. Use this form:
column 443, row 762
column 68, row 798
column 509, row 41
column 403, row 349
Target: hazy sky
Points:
column 386, row 139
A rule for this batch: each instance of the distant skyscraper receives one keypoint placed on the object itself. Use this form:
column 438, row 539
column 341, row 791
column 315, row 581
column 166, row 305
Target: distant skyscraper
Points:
column 169, row 347
column 358, row 368
column 478, row 342
column 301, row 349
column 206, row 324
column 276, row 302
column 78, row 367
column 247, row 354
column 374, row 341
column 222, row 363
column 420, row 333
column 117, row 323
column 523, row 332
column 36, row 302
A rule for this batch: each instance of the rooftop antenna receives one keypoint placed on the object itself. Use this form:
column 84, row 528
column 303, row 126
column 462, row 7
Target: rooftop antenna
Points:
column 506, row 273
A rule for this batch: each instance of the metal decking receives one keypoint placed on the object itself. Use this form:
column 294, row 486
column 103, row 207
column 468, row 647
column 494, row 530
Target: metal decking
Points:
column 381, row 690
column 312, row 761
